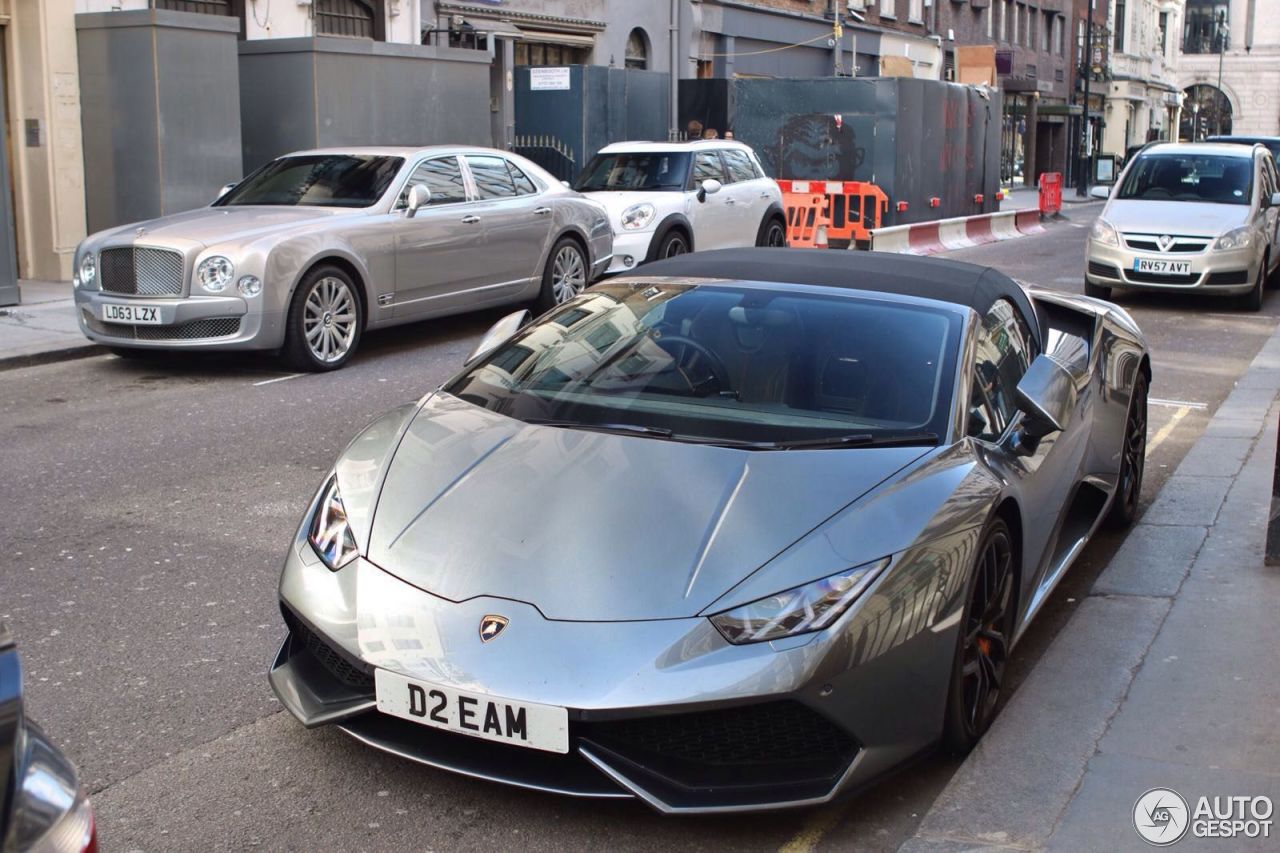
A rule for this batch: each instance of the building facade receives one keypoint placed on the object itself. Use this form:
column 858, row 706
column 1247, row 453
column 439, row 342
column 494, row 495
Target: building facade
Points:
column 1229, row 68
column 1143, row 99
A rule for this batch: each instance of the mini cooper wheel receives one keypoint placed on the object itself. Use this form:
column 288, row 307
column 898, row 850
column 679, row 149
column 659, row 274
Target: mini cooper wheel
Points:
column 1133, row 459
column 982, row 649
column 324, row 322
column 774, row 234
column 673, row 243
column 565, row 276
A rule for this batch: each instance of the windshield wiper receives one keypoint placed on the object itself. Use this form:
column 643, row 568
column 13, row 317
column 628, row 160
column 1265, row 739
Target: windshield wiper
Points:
column 630, row 429
column 863, row 439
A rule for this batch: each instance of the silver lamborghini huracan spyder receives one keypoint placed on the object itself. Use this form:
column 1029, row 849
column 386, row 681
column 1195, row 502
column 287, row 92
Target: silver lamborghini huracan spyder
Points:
column 745, row 529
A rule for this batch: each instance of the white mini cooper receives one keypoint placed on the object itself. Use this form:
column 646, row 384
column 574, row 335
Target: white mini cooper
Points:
column 665, row 199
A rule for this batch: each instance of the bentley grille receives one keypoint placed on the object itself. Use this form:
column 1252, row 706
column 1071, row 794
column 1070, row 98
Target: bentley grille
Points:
column 142, row 272
column 215, row 327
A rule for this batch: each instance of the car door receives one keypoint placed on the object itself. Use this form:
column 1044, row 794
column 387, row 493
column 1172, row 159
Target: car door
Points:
column 750, row 194
column 435, row 247
column 516, row 218
column 713, row 219
column 1271, row 214
column 1045, row 478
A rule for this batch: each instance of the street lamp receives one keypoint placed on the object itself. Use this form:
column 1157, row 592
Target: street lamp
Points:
column 1082, row 185
column 1195, row 121
column 1224, row 30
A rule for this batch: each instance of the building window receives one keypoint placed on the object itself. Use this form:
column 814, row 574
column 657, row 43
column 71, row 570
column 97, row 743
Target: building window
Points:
column 1119, row 27
column 915, row 12
column 1059, row 35
column 990, row 14
column 363, row 19
column 1164, row 33
column 204, row 7
column 1017, row 13
column 533, row 53
column 1004, row 21
column 1204, row 29
column 637, row 50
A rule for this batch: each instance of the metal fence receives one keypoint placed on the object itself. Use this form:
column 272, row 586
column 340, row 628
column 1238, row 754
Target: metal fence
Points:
column 204, row 7
column 549, row 153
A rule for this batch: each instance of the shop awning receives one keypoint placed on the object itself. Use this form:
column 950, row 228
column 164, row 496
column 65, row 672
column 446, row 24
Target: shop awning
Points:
column 501, row 29
column 550, row 37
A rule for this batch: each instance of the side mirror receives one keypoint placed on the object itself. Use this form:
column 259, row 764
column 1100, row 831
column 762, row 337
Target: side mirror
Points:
column 1275, row 199
column 1046, row 394
column 709, row 187
column 419, row 197
column 1102, row 192
column 566, row 185
column 497, row 335
column 226, row 189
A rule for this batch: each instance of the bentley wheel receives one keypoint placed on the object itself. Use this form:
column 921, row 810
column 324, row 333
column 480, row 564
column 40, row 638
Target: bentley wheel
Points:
column 565, row 276
column 325, row 320
column 982, row 650
column 1133, row 459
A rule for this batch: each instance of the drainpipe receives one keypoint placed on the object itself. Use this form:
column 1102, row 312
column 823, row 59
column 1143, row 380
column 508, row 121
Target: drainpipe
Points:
column 674, row 30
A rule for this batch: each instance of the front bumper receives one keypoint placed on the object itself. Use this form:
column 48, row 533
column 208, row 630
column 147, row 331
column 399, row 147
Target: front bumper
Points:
column 192, row 322
column 633, row 245
column 1230, row 272
column 664, row 711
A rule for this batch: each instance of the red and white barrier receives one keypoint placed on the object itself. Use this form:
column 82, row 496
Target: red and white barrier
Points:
column 962, row 232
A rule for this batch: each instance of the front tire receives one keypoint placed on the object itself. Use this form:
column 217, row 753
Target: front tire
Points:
column 773, row 235
column 673, row 244
column 325, row 321
column 982, row 648
column 1252, row 301
column 565, row 275
column 1133, row 460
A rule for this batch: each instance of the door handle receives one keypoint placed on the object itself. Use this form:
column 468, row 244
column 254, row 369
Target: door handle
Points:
column 542, row 211
column 729, row 201
column 470, row 219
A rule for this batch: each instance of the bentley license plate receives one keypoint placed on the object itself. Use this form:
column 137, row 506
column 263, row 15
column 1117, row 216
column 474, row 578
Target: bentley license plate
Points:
column 142, row 315
column 544, row 727
column 1160, row 267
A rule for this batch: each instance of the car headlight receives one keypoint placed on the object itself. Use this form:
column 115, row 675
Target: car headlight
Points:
column 87, row 274
column 1236, row 238
column 802, row 610
column 215, row 273
column 329, row 533
column 1105, row 233
column 637, row 216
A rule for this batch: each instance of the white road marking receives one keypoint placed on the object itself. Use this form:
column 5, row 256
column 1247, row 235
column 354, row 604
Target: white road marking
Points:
column 278, row 379
column 1254, row 317
column 1178, row 404
column 1165, row 431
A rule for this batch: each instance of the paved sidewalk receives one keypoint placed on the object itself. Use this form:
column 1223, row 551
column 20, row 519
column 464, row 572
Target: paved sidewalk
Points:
column 42, row 327
column 1028, row 198
column 1165, row 677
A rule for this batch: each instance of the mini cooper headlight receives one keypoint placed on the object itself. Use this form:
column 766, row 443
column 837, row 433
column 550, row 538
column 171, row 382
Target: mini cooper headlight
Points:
column 1236, row 238
column 802, row 610
column 329, row 533
column 215, row 273
column 1105, row 233
column 87, row 275
column 637, row 216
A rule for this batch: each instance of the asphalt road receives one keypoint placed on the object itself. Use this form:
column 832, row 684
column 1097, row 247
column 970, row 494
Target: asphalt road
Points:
column 146, row 508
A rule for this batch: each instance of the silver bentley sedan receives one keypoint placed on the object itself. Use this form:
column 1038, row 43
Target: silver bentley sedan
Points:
column 316, row 247
column 744, row 529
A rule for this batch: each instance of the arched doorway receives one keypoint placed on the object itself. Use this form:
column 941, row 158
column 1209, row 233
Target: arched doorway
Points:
column 638, row 50
column 1206, row 111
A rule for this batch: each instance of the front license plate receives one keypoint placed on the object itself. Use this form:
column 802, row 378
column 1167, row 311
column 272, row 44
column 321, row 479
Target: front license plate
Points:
column 544, row 727
column 1162, row 267
column 142, row 315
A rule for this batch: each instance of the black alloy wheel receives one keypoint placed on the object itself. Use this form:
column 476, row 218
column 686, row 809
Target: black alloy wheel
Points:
column 1133, row 459
column 982, row 650
column 774, row 235
column 673, row 244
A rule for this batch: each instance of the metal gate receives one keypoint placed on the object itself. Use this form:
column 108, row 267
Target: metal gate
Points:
column 549, row 153
column 350, row 18
column 204, row 7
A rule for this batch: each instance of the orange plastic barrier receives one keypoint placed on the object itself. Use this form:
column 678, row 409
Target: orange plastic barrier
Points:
column 807, row 219
column 851, row 209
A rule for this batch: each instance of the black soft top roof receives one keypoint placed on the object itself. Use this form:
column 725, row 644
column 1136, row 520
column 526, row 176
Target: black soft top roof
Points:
column 878, row 272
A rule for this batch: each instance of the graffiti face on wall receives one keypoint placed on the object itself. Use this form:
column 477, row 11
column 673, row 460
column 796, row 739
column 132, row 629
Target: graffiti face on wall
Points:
column 817, row 147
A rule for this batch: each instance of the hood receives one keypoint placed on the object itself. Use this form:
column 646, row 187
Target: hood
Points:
column 616, row 202
column 1192, row 219
column 590, row 526
column 209, row 226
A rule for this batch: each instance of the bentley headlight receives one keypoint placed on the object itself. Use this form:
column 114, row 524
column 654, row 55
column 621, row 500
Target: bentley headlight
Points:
column 87, row 275
column 215, row 273
column 330, row 534
column 1105, row 233
column 637, row 216
column 1236, row 238
column 802, row 610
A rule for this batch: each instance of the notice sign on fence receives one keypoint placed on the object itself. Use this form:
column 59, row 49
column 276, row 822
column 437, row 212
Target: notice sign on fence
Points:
column 548, row 79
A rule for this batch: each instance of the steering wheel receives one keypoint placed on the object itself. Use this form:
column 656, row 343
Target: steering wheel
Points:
column 692, row 358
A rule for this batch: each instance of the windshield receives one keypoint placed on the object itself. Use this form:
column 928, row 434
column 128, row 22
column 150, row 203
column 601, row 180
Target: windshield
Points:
column 734, row 365
column 622, row 172
column 1189, row 177
column 318, row 180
